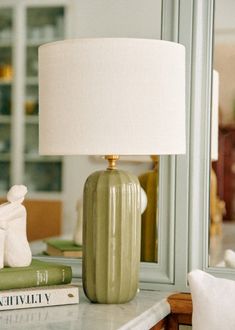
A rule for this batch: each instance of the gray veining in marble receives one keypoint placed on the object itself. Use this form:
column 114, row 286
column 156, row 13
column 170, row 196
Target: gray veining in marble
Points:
column 148, row 308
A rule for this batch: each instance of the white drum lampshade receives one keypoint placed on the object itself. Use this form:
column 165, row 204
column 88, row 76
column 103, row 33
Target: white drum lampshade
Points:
column 111, row 97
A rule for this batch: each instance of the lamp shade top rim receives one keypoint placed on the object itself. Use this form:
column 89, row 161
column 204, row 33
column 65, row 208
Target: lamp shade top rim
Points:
column 118, row 40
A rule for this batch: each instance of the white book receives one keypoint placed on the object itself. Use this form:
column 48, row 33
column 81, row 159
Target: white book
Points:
column 39, row 297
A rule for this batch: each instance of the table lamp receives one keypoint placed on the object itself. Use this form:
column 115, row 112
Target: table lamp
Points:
column 111, row 96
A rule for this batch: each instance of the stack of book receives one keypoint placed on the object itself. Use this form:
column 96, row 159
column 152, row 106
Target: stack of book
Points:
column 38, row 285
column 63, row 248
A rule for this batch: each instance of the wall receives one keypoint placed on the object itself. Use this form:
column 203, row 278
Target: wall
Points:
column 105, row 18
column 224, row 57
column 224, row 18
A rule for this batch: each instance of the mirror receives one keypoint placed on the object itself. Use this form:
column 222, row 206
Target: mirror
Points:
column 53, row 195
column 222, row 203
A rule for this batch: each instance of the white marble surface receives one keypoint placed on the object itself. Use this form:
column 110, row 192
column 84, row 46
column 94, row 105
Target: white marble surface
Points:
column 148, row 308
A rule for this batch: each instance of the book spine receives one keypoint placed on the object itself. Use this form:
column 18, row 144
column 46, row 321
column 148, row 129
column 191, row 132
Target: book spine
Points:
column 18, row 299
column 36, row 277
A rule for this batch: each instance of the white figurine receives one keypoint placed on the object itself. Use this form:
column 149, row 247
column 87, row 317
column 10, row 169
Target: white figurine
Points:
column 143, row 199
column 229, row 258
column 14, row 246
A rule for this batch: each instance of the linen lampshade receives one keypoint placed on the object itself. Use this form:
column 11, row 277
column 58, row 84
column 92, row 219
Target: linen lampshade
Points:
column 215, row 116
column 112, row 96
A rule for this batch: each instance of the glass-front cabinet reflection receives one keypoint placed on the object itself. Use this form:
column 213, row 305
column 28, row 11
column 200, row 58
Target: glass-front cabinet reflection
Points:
column 6, row 80
column 24, row 26
column 39, row 24
column 43, row 24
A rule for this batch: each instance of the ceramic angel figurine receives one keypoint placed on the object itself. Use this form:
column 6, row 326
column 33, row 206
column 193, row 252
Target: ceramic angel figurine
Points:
column 14, row 246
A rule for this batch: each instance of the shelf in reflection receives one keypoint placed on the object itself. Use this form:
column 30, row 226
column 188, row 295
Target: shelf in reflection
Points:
column 5, row 157
column 5, row 119
column 6, row 43
column 32, row 80
column 5, row 81
column 31, row 119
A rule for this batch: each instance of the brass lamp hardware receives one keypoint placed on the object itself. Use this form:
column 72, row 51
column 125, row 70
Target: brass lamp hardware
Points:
column 112, row 161
column 155, row 160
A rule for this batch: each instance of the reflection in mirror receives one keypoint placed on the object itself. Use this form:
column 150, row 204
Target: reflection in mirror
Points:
column 222, row 212
column 149, row 182
column 55, row 184
column 70, row 244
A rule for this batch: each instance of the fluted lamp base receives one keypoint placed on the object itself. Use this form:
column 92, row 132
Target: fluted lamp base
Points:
column 111, row 235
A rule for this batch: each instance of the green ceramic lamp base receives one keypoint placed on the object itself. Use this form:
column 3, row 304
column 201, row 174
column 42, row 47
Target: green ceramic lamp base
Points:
column 111, row 236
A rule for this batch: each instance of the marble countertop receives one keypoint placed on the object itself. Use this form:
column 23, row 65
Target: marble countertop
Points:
column 143, row 312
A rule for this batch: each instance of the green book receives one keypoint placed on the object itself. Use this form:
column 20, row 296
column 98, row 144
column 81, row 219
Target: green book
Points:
column 39, row 273
column 63, row 248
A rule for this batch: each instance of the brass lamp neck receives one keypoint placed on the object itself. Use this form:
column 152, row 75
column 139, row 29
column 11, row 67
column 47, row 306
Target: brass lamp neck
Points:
column 112, row 161
column 155, row 160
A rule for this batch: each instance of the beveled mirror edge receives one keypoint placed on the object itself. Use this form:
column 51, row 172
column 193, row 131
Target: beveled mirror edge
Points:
column 200, row 139
column 199, row 166
column 222, row 272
